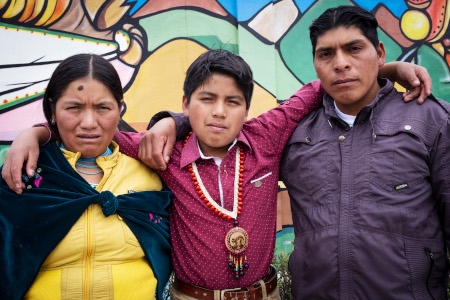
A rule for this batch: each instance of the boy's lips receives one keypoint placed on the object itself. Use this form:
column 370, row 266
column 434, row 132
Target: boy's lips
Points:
column 216, row 126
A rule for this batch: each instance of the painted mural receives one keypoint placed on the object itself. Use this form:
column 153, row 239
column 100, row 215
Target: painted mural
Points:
column 151, row 43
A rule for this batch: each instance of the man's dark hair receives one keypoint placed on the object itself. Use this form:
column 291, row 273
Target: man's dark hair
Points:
column 346, row 16
column 77, row 67
column 221, row 62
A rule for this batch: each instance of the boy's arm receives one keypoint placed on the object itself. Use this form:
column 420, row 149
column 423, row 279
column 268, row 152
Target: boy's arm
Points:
column 414, row 78
column 157, row 143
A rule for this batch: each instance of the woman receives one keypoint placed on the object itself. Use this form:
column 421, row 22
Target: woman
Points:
column 92, row 223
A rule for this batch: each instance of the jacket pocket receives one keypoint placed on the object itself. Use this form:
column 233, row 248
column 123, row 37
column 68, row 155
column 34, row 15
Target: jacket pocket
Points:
column 429, row 266
column 398, row 157
column 128, row 235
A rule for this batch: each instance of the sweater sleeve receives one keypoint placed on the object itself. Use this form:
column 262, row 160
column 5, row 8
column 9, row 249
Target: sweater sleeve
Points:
column 281, row 121
column 129, row 141
column 183, row 127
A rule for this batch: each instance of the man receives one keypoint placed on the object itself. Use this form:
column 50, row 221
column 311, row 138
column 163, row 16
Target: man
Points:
column 368, row 176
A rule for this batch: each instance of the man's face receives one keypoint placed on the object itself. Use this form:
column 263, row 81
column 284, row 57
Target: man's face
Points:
column 347, row 63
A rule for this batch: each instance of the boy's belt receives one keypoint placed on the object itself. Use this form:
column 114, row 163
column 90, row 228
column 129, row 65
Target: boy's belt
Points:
column 253, row 291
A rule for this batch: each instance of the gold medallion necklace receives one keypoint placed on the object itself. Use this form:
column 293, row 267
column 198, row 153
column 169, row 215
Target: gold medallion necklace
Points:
column 236, row 239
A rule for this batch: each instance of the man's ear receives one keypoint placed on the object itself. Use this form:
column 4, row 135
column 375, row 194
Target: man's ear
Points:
column 381, row 54
column 185, row 106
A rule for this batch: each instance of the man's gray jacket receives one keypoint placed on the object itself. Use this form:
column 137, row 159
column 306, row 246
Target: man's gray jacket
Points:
column 371, row 203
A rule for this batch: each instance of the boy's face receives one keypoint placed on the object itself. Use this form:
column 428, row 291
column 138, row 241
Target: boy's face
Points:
column 347, row 63
column 217, row 111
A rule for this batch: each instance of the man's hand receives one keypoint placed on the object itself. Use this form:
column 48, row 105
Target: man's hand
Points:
column 157, row 143
column 414, row 78
column 25, row 148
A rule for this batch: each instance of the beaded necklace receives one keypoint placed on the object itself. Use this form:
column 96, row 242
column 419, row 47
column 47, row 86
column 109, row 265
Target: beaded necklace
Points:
column 236, row 239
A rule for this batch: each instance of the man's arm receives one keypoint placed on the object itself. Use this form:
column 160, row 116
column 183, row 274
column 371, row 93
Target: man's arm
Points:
column 25, row 148
column 440, row 177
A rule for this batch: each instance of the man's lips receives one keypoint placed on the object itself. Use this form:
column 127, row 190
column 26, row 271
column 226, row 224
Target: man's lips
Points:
column 342, row 82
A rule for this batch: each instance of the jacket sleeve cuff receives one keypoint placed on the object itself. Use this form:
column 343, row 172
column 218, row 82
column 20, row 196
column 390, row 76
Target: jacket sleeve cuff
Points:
column 181, row 122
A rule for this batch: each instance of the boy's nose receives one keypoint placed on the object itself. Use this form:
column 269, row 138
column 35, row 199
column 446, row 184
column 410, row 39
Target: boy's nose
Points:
column 218, row 109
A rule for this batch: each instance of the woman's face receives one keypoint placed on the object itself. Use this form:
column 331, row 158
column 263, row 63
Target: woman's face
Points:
column 86, row 116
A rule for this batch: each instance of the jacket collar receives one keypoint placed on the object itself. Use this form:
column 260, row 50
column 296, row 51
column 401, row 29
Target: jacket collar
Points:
column 378, row 103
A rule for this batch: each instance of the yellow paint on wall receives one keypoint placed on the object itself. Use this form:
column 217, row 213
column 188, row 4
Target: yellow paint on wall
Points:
column 159, row 84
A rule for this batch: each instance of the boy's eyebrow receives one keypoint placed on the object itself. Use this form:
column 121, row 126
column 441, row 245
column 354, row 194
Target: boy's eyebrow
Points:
column 214, row 94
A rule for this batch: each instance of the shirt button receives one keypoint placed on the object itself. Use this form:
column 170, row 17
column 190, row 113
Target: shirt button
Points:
column 308, row 140
column 341, row 138
column 258, row 183
column 407, row 127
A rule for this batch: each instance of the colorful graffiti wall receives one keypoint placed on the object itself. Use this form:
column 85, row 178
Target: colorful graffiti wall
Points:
column 152, row 42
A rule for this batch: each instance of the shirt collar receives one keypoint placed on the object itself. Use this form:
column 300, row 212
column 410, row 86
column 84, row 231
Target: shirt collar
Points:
column 191, row 151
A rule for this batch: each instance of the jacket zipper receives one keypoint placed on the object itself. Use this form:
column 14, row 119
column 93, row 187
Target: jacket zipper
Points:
column 431, row 260
column 87, row 272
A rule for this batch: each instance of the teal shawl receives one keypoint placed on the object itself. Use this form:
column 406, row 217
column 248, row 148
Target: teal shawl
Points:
column 33, row 223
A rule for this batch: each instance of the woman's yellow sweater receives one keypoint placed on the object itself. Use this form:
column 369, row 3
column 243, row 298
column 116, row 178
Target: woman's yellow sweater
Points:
column 100, row 258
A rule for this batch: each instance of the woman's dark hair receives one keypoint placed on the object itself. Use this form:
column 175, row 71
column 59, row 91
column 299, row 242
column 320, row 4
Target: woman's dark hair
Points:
column 76, row 67
column 222, row 62
column 346, row 16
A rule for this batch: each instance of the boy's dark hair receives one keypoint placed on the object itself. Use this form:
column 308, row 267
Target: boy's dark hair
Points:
column 77, row 67
column 344, row 16
column 222, row 62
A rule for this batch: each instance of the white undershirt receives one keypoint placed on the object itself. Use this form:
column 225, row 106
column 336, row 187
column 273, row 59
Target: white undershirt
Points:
column 218, row 162
column 349, row 119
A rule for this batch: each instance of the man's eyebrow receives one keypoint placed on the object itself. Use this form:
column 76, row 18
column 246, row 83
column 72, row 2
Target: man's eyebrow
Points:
column 350, row 43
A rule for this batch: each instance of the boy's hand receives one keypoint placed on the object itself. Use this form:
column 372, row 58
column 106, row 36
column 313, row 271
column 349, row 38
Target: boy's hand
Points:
column 414, row 78
column 157, row 143
column 418, row 84
column 25, row 148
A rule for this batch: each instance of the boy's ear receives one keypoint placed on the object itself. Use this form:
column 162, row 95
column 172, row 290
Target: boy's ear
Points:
column 185, row 106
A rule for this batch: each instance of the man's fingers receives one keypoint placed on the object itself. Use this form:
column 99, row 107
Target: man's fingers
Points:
column 158, row 154
column 167, row 151
column 31, row 163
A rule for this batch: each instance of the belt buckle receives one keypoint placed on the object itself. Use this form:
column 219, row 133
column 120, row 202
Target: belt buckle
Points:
column 222, row 293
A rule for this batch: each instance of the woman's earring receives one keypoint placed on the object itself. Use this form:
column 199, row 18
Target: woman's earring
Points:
column 52, row 121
